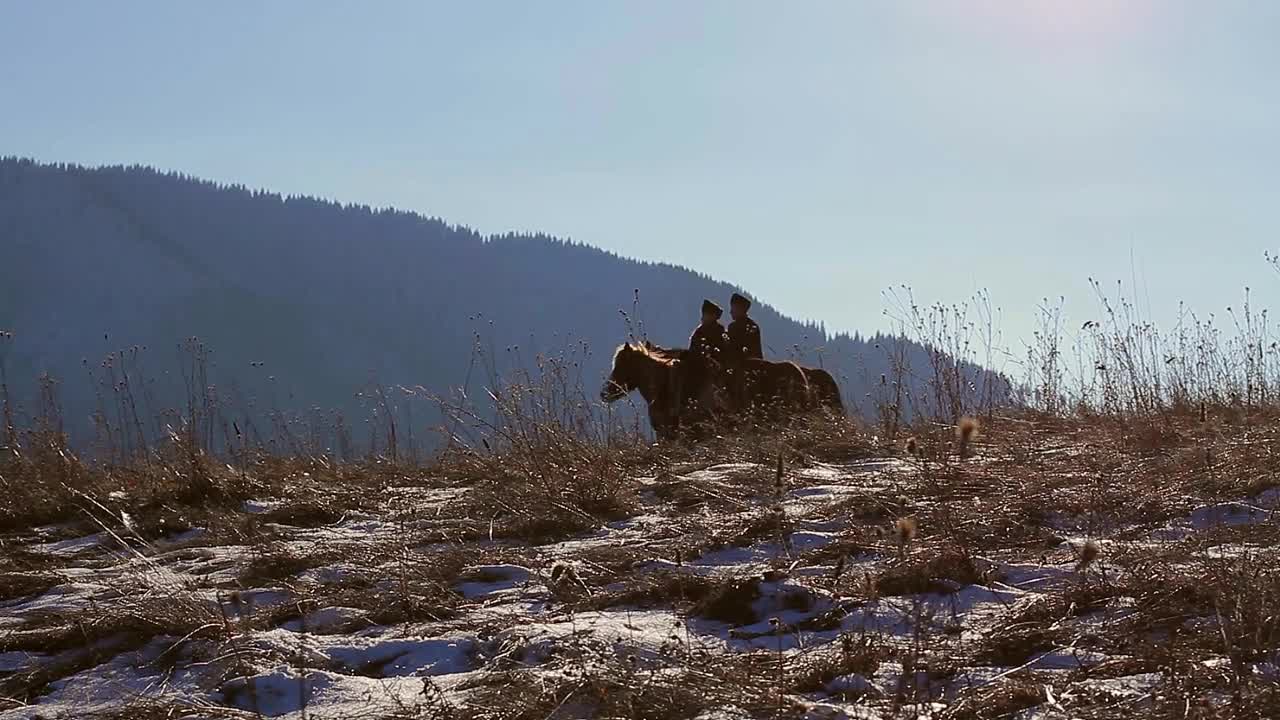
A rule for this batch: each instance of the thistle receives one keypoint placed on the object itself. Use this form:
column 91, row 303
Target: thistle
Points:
column 1088, row 553
column 966, row 430
column 905, row 529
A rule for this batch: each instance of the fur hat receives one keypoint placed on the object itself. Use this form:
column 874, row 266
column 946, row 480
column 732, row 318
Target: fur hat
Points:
column 710, row 307
column 740, row 300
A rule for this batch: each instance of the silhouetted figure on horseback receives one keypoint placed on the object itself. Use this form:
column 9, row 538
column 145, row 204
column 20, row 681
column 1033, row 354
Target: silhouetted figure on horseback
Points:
column 704, row 363
column 744, row 344
column 744, row 333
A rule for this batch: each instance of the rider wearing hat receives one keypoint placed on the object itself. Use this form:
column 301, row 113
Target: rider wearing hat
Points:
column 743, row 344
column 709, row 340
column 744, row 333
column 707, row 349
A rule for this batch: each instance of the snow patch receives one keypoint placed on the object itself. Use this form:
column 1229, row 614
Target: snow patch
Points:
column 74, row 546
column 328, row 621
column 1227, row 513
column 1069, row 659
column 377, row 657
column 17, row 660
column 851, row 685
column 481, row 581
column 1127, row 686
column 258, row 507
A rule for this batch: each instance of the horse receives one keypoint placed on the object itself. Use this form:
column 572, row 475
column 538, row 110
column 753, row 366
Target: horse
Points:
column 822, row 389
column 771, row 389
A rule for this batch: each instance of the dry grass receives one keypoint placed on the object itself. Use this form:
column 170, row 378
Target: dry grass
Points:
column 929, row 570
column 937, row 524
column 678, row 590
column 998, row 700
column 853, row 655
column 605, row 683
column 274, row 565
column 17, row 585
column 554, row 496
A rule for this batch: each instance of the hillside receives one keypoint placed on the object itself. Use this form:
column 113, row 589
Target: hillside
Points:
column 303, row 301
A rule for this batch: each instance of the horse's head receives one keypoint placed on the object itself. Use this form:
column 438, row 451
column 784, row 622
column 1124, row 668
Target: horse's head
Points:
column 626, row 373
column 634, row 368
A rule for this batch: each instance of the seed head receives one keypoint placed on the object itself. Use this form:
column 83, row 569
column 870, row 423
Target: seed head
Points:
column 1088, row 553
column 905, row 528
column 562, row 572
column 966, row 430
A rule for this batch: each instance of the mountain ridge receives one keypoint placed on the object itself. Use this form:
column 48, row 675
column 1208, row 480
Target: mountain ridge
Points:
column 316, row 294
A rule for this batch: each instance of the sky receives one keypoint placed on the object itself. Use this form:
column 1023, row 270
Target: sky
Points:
column 815, row 153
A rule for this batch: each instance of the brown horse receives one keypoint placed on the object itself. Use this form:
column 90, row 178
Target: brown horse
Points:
column 770, row 389
column 777, row 382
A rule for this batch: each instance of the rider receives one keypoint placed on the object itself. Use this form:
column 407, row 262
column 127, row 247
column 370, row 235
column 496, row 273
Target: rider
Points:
column 707, row 349
column 744, row 344
column 744, row 333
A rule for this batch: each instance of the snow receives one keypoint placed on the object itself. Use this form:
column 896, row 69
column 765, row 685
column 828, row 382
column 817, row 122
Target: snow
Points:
column 330, row 620
column 331, row 574
column 850, row 685
column 17, row 660
column 1232, row 513
column 1269, row 498
column 411, row 657
column 257, row 507
column 74, row 546
column 64, row 598
column 733, row 560
column 488, row 580
column 276, row 693
column 1129, row 686
column 639, row 629
column 1069, row 659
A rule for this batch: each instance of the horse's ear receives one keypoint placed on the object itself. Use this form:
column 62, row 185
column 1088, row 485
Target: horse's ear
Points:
column 648, row 345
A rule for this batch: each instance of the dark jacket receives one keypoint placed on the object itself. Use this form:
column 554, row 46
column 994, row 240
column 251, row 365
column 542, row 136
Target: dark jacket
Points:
column 744, row 340
column 709, row 342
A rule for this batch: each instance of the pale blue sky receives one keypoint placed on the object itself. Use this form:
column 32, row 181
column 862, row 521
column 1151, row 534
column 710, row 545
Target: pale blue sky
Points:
column 815, row 153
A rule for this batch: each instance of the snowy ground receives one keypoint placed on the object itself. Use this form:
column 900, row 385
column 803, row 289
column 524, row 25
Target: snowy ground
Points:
column 724, row 588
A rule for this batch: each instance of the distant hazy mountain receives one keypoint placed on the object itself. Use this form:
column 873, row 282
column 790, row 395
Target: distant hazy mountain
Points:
column 319, row 296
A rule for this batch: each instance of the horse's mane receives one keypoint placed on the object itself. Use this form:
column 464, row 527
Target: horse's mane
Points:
column 654, row 353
